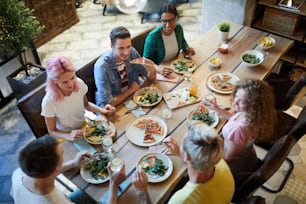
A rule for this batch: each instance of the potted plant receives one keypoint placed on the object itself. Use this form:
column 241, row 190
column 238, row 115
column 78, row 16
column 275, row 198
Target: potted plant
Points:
column 18, row 28
column 224, row 29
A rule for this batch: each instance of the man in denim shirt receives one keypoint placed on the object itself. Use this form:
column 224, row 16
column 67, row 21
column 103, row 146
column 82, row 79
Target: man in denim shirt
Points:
column 116, row 77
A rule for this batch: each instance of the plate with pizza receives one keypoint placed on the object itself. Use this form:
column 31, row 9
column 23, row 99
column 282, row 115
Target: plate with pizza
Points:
column 146, row 130
column 204, row 115
column 97, row 129
column 157, row 166
column 222, row 82
column 147, row 96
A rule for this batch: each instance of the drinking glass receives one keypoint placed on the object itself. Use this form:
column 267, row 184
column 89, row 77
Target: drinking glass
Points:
column 107, row 144
column 167, row 113
column 188, row 76
column 193, row 89
column 116, row 164
column 207, row 99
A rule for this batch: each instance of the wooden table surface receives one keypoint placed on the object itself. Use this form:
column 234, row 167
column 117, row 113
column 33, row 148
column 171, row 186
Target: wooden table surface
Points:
column 241, row 38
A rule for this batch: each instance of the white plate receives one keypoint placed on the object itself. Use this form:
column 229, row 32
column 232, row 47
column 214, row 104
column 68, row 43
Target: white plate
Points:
column 233, row 80
column 135, row 134
column 167, row 162
column 145, row 90
column 184, row 60
column 111, row 127
column 212, row 114
column 90, row 179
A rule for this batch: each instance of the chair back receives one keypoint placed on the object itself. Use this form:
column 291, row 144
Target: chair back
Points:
column 139, row 40
column 293, row 93
column 272, row 161
column 86, row 73
column 30, row 107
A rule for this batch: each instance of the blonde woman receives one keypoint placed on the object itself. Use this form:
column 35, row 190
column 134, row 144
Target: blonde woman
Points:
column 210, row 179
column 253, row 119
column 65, row 100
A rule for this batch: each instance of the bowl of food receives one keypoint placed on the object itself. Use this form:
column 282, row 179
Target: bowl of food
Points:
column 215, row 61
column 266, row 42
column 252, row 58
column 223, row 48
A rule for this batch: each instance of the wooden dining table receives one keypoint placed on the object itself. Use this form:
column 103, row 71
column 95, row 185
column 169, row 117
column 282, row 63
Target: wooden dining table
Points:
column 241, row 38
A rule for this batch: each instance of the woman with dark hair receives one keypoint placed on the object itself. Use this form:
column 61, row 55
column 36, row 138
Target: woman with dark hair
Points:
column 65, row 100
column 166, row 41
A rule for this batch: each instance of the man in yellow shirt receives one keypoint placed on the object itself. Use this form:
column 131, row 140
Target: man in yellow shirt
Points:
column 210, row 179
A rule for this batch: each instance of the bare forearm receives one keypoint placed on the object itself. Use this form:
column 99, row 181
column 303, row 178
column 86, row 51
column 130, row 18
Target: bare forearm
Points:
column 143, row 197
column 121, row 97
column 225, row 114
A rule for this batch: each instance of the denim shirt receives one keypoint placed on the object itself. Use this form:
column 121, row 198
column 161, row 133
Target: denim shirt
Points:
column 107, row 77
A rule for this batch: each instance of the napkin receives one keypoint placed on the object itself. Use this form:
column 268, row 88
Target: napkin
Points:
column 122, row 188
column 170, row 78
column 131, row 104
column 82, row 145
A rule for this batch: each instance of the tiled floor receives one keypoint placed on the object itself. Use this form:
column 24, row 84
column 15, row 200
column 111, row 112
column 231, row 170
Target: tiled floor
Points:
column 88, row 39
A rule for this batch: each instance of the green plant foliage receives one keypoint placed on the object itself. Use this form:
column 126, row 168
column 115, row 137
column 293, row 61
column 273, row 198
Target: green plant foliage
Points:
column 224, row 27
column 18, row 26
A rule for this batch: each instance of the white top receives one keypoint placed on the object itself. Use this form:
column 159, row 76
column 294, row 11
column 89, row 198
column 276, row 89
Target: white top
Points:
column 171, row 47
column 23, row 195
column 69, row 113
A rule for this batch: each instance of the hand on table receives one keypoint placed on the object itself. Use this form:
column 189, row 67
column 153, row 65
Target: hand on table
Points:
column 75, row 134
column 81, row 158
column 165, row 71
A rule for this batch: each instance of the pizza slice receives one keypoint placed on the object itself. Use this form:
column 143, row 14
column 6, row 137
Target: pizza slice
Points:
column 148, row 137
column 149, row 125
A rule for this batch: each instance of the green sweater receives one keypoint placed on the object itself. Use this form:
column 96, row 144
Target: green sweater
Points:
column 154, row 48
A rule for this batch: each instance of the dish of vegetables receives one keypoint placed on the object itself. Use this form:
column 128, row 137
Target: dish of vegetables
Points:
column 147, row 96
column 157, row 166
column 96, row 130
column 95, row 170
column 183, row 65
column 252, row 59
column 204, row 115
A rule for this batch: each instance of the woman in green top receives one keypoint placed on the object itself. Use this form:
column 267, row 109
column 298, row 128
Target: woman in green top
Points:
column 165, row 42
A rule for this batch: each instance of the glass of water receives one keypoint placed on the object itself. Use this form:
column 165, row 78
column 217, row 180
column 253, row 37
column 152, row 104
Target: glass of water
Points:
column 107, row 144
column 116, row 164
column 187, row 76
column 207, row 99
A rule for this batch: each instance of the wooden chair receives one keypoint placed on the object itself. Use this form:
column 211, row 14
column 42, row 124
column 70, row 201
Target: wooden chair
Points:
column 139, row 40
column 30, row 107
column 271, row 162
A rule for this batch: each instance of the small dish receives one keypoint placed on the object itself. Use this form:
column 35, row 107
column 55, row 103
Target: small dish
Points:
column 215, row 62
column 252, row 58
column 223, row 48
column 266, row 42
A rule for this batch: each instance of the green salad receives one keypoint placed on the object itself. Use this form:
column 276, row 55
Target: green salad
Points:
column 205, row 117
column 148, row 98
column 99, row 130
column 97, row 166
column 251, row 59
column 154, row 166
column 183, row 66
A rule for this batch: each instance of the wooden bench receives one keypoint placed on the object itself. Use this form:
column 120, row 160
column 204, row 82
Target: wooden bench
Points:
column 30, row 104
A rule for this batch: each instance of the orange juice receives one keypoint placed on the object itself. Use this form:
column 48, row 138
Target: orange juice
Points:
column 193, row 89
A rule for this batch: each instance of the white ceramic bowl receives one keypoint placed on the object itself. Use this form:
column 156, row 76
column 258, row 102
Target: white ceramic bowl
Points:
column 215, row 62
column 266, row 42
column 252, row 58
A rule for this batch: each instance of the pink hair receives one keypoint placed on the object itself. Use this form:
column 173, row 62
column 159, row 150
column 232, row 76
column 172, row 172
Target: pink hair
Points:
column 55, row 67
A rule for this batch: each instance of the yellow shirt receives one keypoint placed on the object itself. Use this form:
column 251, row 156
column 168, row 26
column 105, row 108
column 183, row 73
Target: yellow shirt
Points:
column 218, row 190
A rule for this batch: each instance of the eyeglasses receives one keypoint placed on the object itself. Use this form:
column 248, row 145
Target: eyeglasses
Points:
column 171, row 21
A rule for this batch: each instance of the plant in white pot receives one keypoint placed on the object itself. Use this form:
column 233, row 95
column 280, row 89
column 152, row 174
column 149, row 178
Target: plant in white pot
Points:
column 224, row 29
column 18, row 29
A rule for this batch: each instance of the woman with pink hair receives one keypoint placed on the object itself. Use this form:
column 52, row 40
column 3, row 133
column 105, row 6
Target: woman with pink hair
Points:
column 65, row 100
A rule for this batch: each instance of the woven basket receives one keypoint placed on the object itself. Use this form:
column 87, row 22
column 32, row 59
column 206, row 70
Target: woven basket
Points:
column 280, row 21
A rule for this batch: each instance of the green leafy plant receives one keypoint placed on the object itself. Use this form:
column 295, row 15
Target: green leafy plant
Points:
column 224, row 27
column 18, row 26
